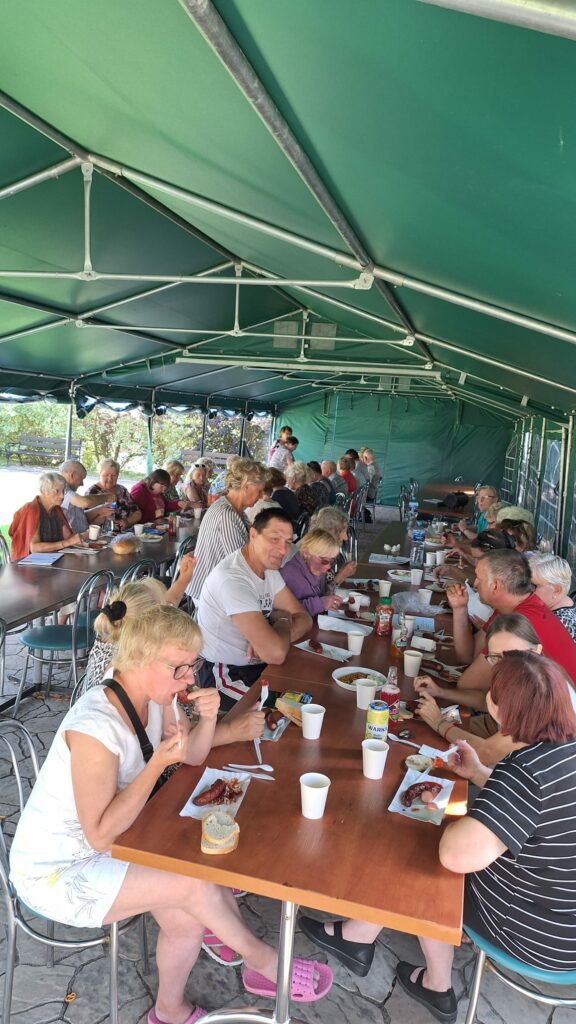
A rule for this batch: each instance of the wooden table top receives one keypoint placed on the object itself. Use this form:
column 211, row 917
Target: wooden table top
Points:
column 29, row 591
column 159, row 551
column 358, row 861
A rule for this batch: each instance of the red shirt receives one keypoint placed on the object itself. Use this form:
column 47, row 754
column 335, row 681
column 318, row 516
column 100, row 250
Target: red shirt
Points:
column 351, row 481
column 556, row 641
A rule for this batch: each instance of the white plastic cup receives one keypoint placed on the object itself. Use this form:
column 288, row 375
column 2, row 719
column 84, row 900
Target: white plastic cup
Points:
column 355, row 641
column 312, row 719
column 416, row 577
column 314, row 793
column 412, row 662
column 354, row 601
column 440, row 557
column 198, row 513
column 365, row 693
column 425, row 596
column 94, row 532
column 384, row 588
column 374, row 754
column 410, row 621
column 430, row 558
column 138, row 529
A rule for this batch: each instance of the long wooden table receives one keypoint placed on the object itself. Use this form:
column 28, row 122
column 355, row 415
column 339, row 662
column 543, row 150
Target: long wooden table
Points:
column 358, row 861
column 29, row 592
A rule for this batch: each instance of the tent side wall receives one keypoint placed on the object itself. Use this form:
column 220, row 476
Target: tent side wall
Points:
column 411, row 437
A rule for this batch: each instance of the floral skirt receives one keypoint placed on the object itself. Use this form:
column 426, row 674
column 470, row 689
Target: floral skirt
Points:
column 78, row 893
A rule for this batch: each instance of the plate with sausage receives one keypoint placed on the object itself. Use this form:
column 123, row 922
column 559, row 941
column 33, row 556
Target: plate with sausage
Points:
column 422, row 797
column 216, row 789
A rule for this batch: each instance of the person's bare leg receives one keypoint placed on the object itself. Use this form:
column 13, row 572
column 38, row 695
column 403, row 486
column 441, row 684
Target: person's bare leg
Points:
column 356, row 931
column 439, row 957
column 209, row 906
column 179, row 941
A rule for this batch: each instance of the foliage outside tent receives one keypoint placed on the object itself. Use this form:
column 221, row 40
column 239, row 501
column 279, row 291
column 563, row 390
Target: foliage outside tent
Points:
column 123, row 435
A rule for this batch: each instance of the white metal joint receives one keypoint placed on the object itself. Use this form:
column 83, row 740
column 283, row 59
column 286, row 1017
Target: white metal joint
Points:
column 364, row 282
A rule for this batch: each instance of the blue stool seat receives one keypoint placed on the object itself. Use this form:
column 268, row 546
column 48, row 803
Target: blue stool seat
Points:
column 511, row 964
column 50, row 638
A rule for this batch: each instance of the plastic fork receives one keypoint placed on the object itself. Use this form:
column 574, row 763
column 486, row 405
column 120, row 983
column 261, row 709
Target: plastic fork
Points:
column 252, row 767
column 407, row 743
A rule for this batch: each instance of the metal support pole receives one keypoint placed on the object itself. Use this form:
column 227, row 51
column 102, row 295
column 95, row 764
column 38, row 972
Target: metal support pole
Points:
column 242, row 433
column 203, row 438
column 284, row 977
column 87, row 172
column 69, row 420
column 559, row 509
column 557, row 18
column 564, row 488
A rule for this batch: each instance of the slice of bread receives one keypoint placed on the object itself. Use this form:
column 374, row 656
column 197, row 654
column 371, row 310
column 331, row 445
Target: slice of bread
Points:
column 220, row 833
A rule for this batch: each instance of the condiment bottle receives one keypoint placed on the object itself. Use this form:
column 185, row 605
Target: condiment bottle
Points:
column 384, row 614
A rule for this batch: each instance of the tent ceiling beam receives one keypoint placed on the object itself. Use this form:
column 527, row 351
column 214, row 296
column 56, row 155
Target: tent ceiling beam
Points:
column 486, row 403
column 380, row 273
column 148, row 292
column 218, row 36
column 16, row 335
column 95, row 275
column 307, row 364
column 469, row 354
column 55, row 171
column 240, row 333
column 557, row 18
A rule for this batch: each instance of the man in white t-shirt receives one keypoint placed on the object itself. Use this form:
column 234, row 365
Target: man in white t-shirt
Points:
column 247, row 614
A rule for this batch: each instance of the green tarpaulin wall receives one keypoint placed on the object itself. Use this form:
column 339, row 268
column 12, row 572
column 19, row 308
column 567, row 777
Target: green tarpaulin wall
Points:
column 411, row 437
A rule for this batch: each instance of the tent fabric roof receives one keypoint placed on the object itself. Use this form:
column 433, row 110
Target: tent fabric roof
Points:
column 430, row 135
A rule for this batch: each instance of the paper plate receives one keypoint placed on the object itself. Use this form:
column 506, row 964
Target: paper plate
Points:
column 340, row 674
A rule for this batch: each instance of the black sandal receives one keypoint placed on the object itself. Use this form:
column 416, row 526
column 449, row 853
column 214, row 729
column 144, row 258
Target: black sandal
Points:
column 442, row 1005
column 356, row 956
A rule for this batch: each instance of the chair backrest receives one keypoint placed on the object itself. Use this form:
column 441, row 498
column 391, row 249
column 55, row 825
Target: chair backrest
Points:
column 94, row 592
column 139, row 571
column 16, row 743
column 185, row 547
column 341, row 500
column 4, row 552
column 301, row 525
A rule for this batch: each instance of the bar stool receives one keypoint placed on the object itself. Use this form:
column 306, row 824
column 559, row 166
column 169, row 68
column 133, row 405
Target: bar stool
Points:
column 492, row 957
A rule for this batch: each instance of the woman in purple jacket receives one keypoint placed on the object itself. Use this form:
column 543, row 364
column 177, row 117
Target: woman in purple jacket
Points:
column 305, row 574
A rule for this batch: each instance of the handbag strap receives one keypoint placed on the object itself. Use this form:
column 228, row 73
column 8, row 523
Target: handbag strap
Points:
column 145, row 745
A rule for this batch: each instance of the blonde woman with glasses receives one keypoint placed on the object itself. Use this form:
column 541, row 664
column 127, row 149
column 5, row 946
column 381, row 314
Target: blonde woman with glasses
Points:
column 552, row 579
column 93, row 785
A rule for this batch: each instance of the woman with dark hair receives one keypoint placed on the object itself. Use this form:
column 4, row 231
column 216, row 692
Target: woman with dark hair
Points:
column 506, row 634
column 515, row 845
column 149, row 495
column 522, row 533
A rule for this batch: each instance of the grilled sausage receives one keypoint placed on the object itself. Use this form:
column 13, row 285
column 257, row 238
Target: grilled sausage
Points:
column 413, row 792
column 209, row 796
column 272, row 718
column 315, row 646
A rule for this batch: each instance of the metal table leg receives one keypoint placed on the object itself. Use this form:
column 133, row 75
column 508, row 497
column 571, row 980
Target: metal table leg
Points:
column 281, row 1012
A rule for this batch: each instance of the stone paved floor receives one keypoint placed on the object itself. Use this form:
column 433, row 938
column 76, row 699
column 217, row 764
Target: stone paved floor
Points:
column 40, row 994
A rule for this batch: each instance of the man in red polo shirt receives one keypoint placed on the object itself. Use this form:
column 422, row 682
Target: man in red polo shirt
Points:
column 502, row 581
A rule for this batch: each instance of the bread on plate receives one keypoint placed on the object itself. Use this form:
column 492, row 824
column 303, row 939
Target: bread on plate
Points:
column 220, row 833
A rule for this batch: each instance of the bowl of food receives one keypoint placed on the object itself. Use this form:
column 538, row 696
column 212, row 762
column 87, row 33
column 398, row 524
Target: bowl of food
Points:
column 348, row 677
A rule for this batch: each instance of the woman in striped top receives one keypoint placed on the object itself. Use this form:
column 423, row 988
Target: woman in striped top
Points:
column 516, row 846
column 224, row 528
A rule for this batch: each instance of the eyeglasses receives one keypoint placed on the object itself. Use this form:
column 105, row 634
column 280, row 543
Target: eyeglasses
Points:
column 493, row 659
column 324, row 561
column 181, row 671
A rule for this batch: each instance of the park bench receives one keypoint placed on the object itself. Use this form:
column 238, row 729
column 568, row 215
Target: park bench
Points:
column 40, row 451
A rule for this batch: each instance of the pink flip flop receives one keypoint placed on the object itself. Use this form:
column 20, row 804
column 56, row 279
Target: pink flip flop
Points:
column 194, row 1016
column 304, row 989
column 219, row 951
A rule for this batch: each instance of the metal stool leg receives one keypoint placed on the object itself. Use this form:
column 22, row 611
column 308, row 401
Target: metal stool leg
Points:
column 113, row 943
column 50, row 949
column 144, row 944
column 475, row 987
column 10, row 964
column 21, row 686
